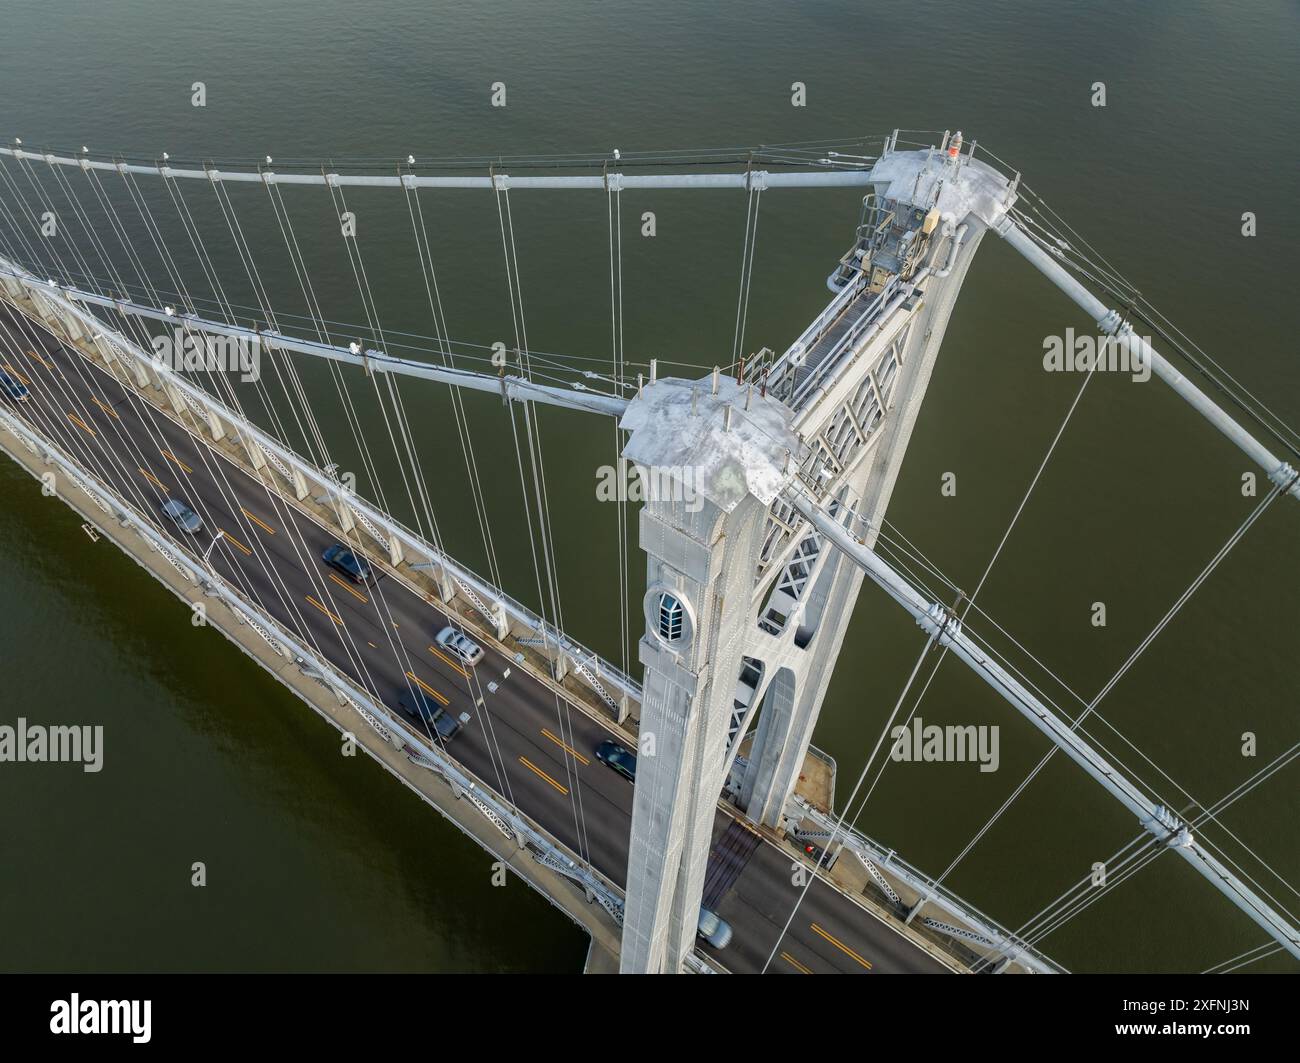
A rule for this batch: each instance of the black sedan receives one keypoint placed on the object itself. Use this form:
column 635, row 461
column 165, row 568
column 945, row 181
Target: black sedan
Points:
column 618, row 758
column 344, row 560
column 15, row 389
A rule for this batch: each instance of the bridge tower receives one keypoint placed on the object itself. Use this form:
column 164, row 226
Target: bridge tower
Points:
column 712, row 456
column 745, row 605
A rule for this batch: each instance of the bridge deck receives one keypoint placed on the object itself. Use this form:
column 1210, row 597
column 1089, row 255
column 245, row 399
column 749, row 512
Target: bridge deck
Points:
column 512, row 743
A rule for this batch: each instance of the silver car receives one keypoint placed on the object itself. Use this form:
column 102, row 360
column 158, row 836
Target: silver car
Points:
column 182, row 516
column 464, row 649
column 714, row 929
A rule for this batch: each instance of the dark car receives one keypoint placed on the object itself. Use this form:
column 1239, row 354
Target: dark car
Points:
column 618, row 758
column 420, row 705
column 15, row 389
column 355, row 568
column 182, row 516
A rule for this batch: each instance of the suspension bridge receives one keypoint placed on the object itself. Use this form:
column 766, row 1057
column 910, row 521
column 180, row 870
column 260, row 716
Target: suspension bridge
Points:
column 767, row 486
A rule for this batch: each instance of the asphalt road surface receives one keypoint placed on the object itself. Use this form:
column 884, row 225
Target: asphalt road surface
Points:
column 522, row 741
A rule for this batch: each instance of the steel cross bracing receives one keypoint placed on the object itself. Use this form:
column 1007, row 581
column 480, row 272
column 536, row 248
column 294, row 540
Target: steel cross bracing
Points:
column 839, row 425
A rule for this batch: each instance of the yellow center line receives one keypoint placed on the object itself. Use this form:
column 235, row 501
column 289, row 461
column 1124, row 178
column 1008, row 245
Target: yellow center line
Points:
column 795, row 963
column 153, row 479
column 372, row 645
column 81, row 424
column 258, row 521
column 44, row 361
column 324, row 610
column 237, row 544
column 15, row 374
column 348, row 587
column 447, row 661
column 172, row 457
column 538, row 771
column 105, row 407
column 840, row 945
column 567, row 748
column 442, row 699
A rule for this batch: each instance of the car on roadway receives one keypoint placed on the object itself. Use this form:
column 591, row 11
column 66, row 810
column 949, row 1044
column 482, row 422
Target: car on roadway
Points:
column 714, row 929
column 418, row 704
column 13, row 388
column 465, row 649
column 180, row 514
column 357, row 569
column 615, row 756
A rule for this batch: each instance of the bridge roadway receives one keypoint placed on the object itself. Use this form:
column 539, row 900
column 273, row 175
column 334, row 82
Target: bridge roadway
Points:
column 515, row 743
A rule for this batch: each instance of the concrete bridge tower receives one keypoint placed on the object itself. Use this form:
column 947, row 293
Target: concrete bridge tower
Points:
column 713, row 455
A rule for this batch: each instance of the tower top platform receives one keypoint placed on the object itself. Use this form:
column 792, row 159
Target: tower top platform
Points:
column 728, row 444
column 959, row 186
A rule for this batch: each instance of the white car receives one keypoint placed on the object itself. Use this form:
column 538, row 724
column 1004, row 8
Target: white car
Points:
column 464, row 649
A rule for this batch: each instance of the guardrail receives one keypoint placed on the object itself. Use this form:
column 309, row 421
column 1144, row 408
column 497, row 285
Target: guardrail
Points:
column 979, row 928
column 875, row 311
column 822, row 321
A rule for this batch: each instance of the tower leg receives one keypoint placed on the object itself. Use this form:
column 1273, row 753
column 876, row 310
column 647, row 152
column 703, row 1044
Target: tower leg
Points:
column 703, row 537
column 785, row 729
column 703, row 563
